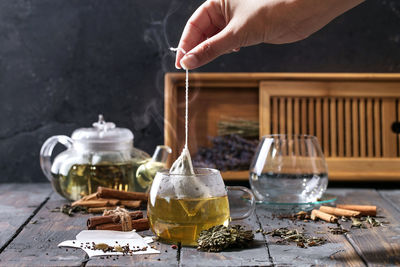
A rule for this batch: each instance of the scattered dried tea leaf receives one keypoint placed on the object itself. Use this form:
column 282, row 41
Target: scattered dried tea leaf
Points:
column 344, row 219
column 373, row 222
column 301, row 215
column 356, row 223
column 118, row 248
column 295, row 235
column 337, row 230
column 220, row 237
column 125, row 250
column 102, row 246
column 69, row 210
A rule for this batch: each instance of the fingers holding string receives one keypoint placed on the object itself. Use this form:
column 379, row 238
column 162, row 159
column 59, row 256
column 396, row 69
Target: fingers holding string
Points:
column 205, row 22
column 223, row 42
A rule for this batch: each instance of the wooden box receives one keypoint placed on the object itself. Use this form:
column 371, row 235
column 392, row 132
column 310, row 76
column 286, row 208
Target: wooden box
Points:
column 355, row 116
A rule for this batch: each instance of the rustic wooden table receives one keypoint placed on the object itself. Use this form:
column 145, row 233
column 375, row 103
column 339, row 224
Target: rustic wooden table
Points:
column 30, row 232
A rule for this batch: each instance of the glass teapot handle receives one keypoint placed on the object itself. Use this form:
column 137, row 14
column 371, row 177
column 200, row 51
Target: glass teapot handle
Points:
column 47, row 150
column 161, row 154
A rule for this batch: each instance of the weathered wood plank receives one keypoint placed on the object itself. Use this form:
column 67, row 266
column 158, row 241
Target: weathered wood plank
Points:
column 18, row 203
column 337, row 251
column 257, row 255
column 378, row 245
column 393, row 196
column 37, row 242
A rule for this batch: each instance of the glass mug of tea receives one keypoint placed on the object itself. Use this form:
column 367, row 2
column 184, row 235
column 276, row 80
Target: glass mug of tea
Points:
column 182, row 206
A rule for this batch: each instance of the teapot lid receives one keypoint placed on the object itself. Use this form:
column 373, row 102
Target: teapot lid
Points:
column 103, row 132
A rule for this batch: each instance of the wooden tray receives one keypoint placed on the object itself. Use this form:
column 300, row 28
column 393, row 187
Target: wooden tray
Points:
column 359, row 146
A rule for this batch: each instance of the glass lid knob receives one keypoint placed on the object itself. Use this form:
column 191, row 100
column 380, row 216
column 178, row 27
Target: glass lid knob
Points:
column 102, row 125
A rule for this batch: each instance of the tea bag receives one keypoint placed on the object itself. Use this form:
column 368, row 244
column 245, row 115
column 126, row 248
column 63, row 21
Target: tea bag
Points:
column 185, row 182
column 183, row 164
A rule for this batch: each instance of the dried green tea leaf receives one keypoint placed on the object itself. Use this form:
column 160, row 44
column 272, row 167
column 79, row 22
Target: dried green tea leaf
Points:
column 344, row 219
column 356, row 223
column 337, row 230
column 373, row 222
column 70, row 211
column 102, row 246
column 295, row 235
column 118, row 248
column 220, row 237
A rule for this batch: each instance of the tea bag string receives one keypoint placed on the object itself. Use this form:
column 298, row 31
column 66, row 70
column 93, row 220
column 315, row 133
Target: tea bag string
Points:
column 124, row 218
column 186, row 96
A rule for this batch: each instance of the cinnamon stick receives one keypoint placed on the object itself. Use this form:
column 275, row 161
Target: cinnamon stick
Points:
column 138, row 225
column 88, row 197
column 339, row 212
column 98, row 220
column 102, row 209
column 96, row 203
column 103, row 192
column 323, row 216
column 363, row 209
column 132, row 204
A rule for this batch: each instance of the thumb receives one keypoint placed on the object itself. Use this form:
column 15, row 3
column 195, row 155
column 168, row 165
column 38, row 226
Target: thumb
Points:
column 219, row 44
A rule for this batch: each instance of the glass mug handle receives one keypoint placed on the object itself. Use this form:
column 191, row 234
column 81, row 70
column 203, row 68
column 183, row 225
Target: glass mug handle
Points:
column 251, row 200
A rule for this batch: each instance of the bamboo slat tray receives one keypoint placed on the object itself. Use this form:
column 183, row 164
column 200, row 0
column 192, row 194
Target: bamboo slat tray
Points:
column 353, row 115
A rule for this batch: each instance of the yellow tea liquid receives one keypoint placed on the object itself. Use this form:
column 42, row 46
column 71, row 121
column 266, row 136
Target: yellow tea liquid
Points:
column 182, row 220
column 83, row 179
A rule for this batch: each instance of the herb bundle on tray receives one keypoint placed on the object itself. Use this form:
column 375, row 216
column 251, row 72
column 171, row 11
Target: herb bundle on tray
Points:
column 228, row 152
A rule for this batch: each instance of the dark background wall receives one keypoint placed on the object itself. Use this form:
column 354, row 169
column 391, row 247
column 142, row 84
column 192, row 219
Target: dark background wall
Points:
column 62, row 62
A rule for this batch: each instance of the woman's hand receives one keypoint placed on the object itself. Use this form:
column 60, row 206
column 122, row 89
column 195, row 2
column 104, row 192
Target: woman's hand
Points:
column 219, row 27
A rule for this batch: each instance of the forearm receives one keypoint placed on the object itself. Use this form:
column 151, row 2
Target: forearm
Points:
column 222, row 26
column 308, row 16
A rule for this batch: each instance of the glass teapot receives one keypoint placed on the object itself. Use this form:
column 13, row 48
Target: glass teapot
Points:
column 100, row 156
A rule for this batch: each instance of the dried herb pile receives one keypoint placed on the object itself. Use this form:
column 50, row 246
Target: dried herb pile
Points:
column 364, row 222
column 124, row 249
column 302, row 240
column 220, row 237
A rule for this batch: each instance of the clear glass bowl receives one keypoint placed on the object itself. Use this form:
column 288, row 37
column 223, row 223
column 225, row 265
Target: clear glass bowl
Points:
column 288, row 170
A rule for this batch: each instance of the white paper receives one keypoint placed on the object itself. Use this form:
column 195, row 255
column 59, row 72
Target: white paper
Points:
column 107, row 234
column 112, row 238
